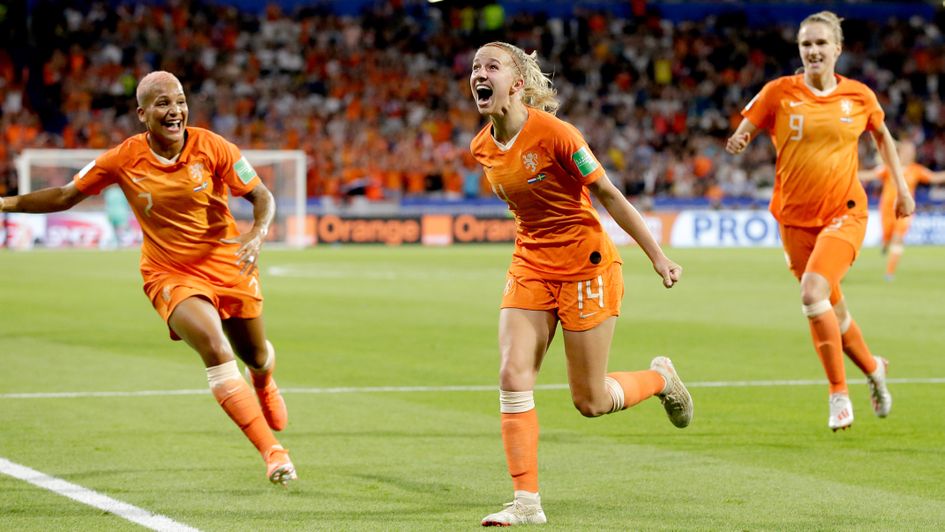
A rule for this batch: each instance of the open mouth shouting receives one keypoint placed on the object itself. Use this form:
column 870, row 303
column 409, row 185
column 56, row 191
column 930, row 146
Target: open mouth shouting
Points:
column 174, row 126
column 483, row 95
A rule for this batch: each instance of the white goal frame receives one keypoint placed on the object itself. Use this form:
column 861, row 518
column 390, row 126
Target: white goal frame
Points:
column 295, row 237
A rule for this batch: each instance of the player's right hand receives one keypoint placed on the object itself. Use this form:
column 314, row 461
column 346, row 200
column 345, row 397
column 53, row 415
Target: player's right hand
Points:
column 737, row 143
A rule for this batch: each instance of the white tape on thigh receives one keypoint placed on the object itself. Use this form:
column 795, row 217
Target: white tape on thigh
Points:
column 225, row 372
column 816, row 309
column 616, row 393
column 516, row 402
column 897, row 249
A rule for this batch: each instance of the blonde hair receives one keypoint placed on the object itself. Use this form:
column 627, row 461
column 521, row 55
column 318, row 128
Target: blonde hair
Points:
column 539, row 92
column 829, row 19
column 148, row 83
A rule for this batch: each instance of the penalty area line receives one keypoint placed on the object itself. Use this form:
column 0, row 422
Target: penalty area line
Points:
column 469, row 388
column 92, row 498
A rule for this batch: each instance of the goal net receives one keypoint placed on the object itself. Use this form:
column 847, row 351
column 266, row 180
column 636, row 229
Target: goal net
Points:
column 87, row 224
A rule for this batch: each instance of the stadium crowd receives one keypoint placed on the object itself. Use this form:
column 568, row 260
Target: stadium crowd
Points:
column 381, row 104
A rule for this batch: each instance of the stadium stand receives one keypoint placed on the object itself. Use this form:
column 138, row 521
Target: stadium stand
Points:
column 379, row 100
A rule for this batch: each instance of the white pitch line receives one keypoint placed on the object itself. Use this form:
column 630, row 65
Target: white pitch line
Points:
column 92, row 498
column 469, row 388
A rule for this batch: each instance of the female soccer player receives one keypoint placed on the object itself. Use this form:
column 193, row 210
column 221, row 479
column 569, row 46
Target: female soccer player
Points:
column 815, row 120
column 564, row 267
column 198, row 271
column 895, row 229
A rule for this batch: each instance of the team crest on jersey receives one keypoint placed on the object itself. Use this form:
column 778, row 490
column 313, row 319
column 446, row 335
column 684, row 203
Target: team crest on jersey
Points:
column 530, row 160
column 196, row 171
column 846, row 106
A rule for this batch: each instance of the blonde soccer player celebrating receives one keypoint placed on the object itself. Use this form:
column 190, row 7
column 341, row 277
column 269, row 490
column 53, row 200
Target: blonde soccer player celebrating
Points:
column 199, row 272
column 815, row 120
column 564, row 267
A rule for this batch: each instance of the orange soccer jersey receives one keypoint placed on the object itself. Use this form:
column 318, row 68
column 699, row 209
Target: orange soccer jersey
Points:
column 542, row 176
column 181, row 206
column 816, row 138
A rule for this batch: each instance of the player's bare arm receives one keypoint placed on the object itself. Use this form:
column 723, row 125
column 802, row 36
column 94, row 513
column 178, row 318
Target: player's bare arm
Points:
column 886, row 146
column 630, row 220
column 264, row 209
column 741, row 138
column 53, row 199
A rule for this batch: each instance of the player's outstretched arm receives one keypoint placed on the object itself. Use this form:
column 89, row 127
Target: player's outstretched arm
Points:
column 264, row 209
column 886, row 146
column 630, row 220
column 742, row 136
column 52, row 199
column 937, row 178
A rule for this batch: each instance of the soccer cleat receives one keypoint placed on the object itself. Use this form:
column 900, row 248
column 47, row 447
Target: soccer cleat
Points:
column 879, row 394
column 279, row 468
column 517, row 512
column 675, row 397
column 841, row 412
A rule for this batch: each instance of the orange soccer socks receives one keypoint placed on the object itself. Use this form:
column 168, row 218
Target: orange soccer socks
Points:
column 520, row 438
column 855, row 346
column 628, row 388
column 273, row 406
column 239, row 402
column 825, row 331
column 895, row 253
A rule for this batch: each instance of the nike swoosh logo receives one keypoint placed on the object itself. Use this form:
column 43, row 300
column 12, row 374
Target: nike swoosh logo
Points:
column 588, row 315
column 138, row 179
column 795, row 104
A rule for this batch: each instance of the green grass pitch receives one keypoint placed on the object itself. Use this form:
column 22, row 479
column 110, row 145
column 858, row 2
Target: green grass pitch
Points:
column 755, row 457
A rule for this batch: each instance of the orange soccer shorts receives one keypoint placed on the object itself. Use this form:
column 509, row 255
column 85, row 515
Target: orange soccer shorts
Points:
column 167, row 290
column 828, row 251
column 894, row 226
column 580, row 305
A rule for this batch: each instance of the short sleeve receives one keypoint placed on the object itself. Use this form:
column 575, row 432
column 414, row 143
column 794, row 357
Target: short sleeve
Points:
column 98, row 174
column 233, row 168
column 760, row 110
column 925, row 175
column 575, row 156
column 883, row 173
column 874, row 112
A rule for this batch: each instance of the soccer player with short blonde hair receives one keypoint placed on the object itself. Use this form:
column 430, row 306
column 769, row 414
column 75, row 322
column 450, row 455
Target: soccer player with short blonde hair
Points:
column 199, row 272
column 815, row 119
column 564, row 267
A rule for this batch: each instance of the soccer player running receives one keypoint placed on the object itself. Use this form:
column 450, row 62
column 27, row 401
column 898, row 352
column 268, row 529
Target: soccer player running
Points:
column 199, row 273
column 815, row 120
column 894, row 228
column 564, row 267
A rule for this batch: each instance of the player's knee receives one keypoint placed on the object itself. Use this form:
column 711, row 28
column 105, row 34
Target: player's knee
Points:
column 590, row 408
column 814, row 291
column 215, row 350
column 513, row 377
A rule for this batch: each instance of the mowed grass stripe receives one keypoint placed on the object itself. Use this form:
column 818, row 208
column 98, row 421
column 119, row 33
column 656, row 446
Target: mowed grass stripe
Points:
column 427, row 389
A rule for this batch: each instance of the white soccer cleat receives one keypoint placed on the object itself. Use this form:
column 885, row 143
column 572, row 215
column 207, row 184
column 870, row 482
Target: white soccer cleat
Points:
column 517, row 512
column 841, row 412
column 879, row 394
column 675, row 397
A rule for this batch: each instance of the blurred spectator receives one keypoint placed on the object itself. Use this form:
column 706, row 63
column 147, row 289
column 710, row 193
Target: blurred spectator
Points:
column 381, row 104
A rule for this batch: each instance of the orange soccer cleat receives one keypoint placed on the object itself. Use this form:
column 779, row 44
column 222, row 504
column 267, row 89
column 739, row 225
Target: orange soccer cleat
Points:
column 279, row 468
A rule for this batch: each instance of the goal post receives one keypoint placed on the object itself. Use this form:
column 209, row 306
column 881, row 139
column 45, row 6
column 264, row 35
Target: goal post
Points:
column 282, row 171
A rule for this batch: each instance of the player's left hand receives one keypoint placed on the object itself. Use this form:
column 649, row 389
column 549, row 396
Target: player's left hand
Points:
column 247, row 256
column 905, row 205
column 668, row 270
